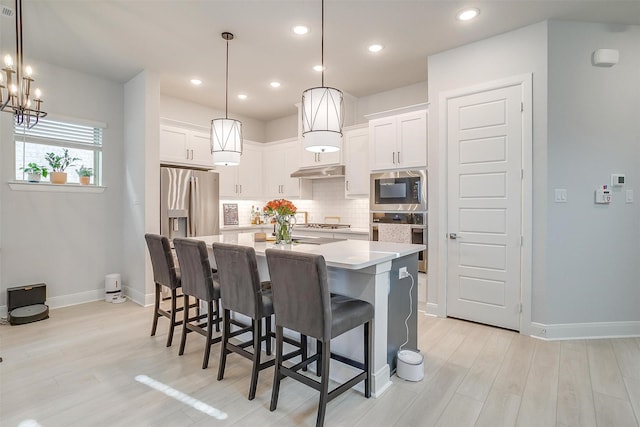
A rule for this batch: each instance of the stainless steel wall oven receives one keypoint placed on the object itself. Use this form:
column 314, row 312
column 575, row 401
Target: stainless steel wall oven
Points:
column 416, row 221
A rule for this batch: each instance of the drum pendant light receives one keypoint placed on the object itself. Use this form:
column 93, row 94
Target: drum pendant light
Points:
column 322, row 114
column 226, row 133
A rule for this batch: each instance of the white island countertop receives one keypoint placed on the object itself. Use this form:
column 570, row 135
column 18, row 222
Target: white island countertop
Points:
column 347, row 254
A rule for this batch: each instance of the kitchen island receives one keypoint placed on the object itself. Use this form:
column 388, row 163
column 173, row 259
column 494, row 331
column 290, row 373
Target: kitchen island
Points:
column 369, row 271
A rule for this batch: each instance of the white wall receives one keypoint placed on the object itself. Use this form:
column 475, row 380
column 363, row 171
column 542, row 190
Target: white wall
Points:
column 200, row 115
column 141, row 192
column 592, row 251
column 67, row 240
column 355, row 109
column 514, row 53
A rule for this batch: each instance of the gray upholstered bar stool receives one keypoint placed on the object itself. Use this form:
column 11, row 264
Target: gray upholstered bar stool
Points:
column 165, row 273
column 302, row 302
column 200, row 282
column 241, row 291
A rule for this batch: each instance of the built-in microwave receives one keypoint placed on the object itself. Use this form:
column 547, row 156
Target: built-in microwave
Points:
column 399, row 191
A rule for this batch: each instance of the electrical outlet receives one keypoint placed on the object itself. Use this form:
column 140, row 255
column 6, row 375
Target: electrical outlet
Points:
column 402, row 273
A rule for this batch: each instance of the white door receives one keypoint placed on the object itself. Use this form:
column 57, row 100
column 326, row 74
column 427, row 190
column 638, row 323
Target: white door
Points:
column 484, row 140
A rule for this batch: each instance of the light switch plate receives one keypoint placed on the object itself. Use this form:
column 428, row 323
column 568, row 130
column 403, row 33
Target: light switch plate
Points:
column 628, row 195
column 560, row 195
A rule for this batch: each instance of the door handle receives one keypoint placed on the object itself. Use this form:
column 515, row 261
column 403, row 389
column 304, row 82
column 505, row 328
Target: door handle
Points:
column 394, row 157
column 453, row 236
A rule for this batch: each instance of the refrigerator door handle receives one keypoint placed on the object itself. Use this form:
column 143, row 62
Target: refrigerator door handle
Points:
column 193, row 204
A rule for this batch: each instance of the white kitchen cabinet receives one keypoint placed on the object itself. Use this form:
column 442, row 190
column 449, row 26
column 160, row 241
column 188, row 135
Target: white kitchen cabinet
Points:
column 243, row 181
column 184, row 146
column 311, row 159
column 280, row 160
column 399, row 141
column 356, row 154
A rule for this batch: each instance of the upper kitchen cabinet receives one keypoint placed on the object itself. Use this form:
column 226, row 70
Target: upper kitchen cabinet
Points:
column 356, row 148
column 185, row 146
column 281, row 159
column 243, row 181
column 311, row 159
column 398, row 141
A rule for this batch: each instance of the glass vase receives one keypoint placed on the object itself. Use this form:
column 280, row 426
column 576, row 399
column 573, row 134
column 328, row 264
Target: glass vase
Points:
column 284, row 226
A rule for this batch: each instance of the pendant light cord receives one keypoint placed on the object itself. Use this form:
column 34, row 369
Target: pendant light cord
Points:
column 226, row 86
column 322, row 43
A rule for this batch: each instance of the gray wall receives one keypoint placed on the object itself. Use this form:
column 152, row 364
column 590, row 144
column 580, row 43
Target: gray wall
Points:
column 514, row 53
column 585, row 127
column 592, row 251
column 67, row 240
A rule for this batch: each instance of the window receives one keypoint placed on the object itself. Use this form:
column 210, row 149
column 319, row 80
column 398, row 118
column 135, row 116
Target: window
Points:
column 49, row 136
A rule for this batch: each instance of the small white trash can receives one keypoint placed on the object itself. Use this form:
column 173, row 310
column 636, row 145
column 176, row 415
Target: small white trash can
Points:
column 113, row 288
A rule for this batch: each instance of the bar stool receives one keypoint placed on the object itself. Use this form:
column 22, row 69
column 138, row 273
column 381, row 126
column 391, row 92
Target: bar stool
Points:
column 200, row 282
column 241, row 291
column 165, row 273
column 302, row 302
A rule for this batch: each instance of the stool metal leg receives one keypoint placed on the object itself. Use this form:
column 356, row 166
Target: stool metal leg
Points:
column 226, row 330
column 183, row 340
column 367, row 362
column 156, row 310
column 277, row 376
column 257, row 334
column 267, row 334
column 324, row 383
column 207, row 349
column 173, row 316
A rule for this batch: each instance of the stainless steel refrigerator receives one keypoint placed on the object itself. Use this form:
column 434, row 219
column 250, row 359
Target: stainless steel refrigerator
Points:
column 189, row 201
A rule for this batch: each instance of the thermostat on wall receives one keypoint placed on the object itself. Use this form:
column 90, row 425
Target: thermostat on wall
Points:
column 617, row 179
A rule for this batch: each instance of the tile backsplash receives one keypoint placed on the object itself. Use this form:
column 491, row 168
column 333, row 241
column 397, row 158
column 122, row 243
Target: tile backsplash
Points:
column 328, row 201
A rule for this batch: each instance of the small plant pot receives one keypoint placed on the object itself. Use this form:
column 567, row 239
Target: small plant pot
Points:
column 58, row 177
column 34, row 177
column 84, row 180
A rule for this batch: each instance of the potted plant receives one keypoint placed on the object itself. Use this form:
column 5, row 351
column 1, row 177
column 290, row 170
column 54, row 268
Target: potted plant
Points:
column 84, row 174
column 58, row 165
column 35, row 172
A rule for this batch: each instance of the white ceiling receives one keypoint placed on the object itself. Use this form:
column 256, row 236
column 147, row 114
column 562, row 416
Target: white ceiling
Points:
column 180, row 39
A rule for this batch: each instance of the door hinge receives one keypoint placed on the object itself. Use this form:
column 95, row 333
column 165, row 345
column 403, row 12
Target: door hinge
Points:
column 520, row 308
column 522, row 107
column 521, row 173
column 521, row 240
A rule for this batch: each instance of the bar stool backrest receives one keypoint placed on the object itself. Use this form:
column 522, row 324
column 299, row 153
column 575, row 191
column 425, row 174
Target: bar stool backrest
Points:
column 240, row 288
column 301, row 299
column 195, row 269
column 165, row 271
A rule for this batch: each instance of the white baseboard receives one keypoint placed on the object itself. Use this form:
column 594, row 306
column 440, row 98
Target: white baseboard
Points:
column 434, row 310
column 67, row 300
column 574, row 331
column 138, row 297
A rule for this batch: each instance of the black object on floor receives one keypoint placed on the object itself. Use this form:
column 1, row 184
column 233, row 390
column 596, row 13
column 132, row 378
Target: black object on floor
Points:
column 26, row 304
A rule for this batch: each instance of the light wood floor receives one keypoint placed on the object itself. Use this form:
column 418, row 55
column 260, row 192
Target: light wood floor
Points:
column 78, row 368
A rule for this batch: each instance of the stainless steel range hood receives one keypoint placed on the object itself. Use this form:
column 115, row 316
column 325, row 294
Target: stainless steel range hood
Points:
column 319, row 172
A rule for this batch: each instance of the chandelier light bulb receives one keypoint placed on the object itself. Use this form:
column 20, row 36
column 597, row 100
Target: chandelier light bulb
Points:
column 1, row 79
column 28, row 71
column 38, row 93
column 14, row 89
column 8, row 61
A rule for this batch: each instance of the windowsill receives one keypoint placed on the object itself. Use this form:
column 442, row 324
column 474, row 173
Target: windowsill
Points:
column 60, row 188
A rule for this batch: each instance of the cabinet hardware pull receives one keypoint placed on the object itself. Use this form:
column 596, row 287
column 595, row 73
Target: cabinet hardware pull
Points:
column 187, row 156
column 240, row 188
column 398, row 157
column 394, row 157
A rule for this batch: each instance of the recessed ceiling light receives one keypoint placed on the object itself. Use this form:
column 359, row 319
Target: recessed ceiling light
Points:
column 275, row 84
column 300, row 30
column 375, row 48
column 468, row 14
column 196, row 82
column 318, row 68
column 242, row 96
